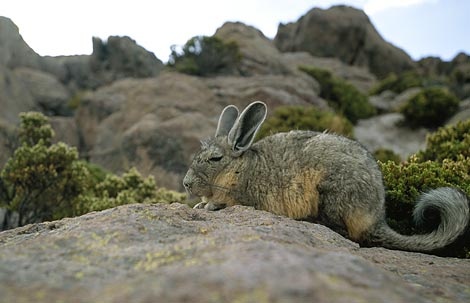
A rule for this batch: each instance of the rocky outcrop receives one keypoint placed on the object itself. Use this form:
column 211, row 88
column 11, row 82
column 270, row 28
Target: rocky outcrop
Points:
column 345, row 33
column 51, row 96
column 14, row 52
column 455, row 73
column 172, row 253
column 14, row 96
column 259, row 55
column 111, row 60
column 121, row 57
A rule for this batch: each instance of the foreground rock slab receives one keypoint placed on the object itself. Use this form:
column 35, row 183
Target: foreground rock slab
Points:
column 172, row 253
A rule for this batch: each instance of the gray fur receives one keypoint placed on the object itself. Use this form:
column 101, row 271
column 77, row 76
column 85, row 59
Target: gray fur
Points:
column 320, row 176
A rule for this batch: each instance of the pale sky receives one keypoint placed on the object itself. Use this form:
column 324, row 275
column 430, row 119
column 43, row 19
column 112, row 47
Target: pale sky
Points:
column 58, row 27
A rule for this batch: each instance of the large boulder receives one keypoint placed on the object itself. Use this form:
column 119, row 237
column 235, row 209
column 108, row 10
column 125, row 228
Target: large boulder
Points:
column 122, row 57
column 49, row 95
column 387, row 131
column 345, row 33
column 172, row 253
column 14, row 96
column 259, row 55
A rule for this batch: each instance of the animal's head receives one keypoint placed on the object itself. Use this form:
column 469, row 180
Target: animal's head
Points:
column 216, row 158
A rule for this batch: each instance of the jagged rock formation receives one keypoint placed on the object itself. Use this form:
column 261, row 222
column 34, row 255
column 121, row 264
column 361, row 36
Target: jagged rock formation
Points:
column 172, row 253
column 345, row 33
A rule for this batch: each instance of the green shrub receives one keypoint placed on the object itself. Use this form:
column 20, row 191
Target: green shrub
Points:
column 131, row 187
column 205, row 56
column 35, row 127
column 430, row 108
column 450, row 142
column 384, row 155
column 41, row 181
column 44, row 181
column 342, row 96
column 286, row 118
column 398, row 84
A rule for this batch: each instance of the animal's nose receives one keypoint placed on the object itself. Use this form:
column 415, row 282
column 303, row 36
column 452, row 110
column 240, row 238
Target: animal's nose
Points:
column 187, row 183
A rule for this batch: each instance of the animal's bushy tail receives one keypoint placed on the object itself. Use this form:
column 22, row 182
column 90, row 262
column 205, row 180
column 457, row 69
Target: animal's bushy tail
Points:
column 453, row 206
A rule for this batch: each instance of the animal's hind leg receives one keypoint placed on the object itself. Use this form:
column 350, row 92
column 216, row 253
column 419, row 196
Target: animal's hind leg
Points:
column 348, row 211
column 359, row 223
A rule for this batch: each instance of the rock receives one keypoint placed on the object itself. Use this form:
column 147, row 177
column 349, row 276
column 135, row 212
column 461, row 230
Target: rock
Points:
column 48, row 93
column 14, row 96
column 172, row 253
column 259, row 55
column 14, row 52
column 462, row 115
column 272, row 89
column 66, row 130
column 361, row 78
column 121, row 57
column 384, row 131
column 382, row 102
column 454, row 73
column 74, row 71
column 345, row 33
column 388, row 101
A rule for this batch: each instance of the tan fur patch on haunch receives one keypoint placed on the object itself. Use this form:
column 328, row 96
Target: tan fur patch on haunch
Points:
column 224, row 185
column 358, row 223
column 299, row 199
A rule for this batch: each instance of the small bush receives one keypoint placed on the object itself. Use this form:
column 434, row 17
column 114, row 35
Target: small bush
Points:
column 131, row 187
column 430, row 108
column 450, row 142
column 35, row 127
column 205, row 56
column 41, row 181
column 286, row 118
column 398, row 84
column 342, row 96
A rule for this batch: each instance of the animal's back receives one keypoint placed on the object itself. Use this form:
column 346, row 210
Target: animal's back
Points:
column 325, row 177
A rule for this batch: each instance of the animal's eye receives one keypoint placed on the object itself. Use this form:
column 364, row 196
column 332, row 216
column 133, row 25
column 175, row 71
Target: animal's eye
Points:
column 215, row 159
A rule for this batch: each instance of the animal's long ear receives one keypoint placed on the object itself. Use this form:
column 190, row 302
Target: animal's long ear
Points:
column 226, row 120
column 244, row 130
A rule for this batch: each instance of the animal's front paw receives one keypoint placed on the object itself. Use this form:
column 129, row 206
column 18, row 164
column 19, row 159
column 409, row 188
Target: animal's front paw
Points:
column 200, row 205
column 210, row 206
